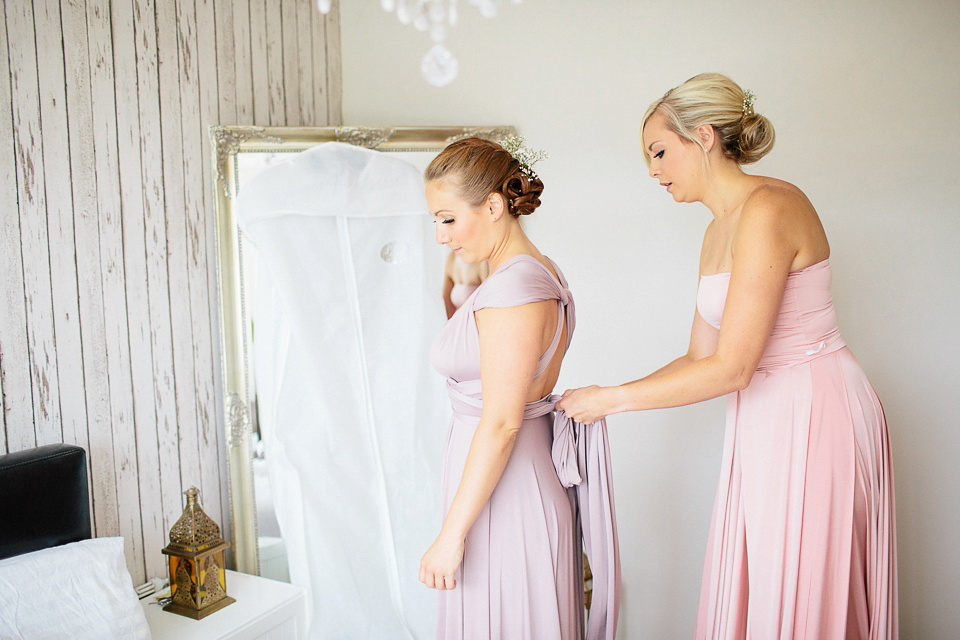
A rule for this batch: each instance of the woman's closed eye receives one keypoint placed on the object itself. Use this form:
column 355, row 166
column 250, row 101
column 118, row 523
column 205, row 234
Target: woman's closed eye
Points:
column 658, row 154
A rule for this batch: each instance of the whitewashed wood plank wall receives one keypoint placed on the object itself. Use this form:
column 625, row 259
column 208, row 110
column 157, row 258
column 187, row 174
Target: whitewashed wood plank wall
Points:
column 108, row 306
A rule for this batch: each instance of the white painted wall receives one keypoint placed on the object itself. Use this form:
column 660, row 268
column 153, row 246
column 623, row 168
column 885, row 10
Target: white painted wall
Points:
column 864, row 99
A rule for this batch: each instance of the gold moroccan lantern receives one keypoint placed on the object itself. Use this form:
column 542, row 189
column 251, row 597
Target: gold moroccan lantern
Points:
column 198, row 583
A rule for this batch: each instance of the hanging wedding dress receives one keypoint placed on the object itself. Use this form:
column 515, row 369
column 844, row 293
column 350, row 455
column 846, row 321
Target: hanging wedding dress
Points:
column 352, row 416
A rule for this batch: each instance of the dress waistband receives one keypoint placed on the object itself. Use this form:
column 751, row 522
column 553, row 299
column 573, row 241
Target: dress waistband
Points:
column 779, row 354
column 467, row 402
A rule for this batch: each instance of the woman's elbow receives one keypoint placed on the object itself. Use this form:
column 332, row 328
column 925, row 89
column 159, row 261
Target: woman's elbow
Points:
column 735, row 373
column 742, row 375
column 743, row 379
column 504, row 430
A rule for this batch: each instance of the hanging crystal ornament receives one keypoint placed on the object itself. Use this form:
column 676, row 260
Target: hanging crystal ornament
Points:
column 439, row 67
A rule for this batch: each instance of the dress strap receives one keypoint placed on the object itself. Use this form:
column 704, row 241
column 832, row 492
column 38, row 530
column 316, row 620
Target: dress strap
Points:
column 565, row 316
column 547, row 356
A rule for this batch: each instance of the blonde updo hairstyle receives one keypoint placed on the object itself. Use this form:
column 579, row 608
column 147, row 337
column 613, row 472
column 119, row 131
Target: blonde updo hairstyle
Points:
column 477, row 167
column 715, row 99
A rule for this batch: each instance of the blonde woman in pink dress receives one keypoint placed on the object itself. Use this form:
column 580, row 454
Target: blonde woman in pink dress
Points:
column 507, row 559
column 802, row 540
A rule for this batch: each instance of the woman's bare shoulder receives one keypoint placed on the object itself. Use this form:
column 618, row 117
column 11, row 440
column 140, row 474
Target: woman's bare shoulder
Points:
column 772, row 197
column 771, row 191
column 780, row 213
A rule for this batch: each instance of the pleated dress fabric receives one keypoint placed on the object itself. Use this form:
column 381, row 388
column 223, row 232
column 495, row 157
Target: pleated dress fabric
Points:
column 802, row 541
column 521, row 575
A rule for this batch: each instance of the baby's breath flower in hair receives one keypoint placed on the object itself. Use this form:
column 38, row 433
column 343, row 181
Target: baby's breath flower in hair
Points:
column 748, row 99
column 523, row 154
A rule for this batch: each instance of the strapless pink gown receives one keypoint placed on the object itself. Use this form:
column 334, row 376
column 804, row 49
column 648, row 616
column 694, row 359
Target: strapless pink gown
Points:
column 521, row 575
column 802, row 541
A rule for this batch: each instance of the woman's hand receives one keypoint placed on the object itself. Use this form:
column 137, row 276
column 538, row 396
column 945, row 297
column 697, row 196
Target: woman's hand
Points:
column 439, row 564
column 584, row 405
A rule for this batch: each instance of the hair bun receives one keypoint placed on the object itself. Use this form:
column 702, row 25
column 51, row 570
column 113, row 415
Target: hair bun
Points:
column 480, row 167
column 716, row 100
column 756, row 138
column 522, row 193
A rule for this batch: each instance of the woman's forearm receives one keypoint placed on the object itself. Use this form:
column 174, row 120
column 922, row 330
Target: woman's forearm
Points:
column 679, row 363
column 489, row 451
column 677, row 384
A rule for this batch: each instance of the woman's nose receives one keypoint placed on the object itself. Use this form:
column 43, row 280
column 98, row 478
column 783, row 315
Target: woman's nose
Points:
column 440, row 234
column 653, row 171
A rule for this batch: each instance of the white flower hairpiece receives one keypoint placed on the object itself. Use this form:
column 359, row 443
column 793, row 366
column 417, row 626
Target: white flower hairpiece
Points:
column 748, row 98
column 523, row 154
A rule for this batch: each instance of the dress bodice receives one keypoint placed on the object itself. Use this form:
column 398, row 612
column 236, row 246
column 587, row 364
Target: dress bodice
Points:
column 455, row 352
column 806, row 326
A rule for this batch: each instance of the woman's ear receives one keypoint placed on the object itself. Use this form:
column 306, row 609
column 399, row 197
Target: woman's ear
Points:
column 708, row 136
column 496, row 205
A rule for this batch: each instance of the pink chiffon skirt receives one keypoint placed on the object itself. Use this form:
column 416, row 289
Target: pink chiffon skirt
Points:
column 802, row 539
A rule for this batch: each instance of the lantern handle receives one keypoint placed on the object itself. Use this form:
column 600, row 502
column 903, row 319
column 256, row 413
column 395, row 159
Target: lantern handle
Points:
column 193, row 495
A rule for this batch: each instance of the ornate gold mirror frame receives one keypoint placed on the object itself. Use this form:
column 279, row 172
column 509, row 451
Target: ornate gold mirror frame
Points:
column 227, row 144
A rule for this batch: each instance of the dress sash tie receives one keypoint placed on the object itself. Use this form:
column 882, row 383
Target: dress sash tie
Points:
column 581, row 456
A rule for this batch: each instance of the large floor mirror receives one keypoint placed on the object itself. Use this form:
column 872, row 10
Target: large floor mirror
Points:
column 330, row 292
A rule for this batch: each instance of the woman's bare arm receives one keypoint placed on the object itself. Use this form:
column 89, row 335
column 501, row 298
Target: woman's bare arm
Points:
column 510, row 345
column 767, row 246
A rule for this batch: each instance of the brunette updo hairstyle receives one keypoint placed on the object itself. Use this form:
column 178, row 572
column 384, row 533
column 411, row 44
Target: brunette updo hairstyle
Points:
column 478, row 167
column 715, row 99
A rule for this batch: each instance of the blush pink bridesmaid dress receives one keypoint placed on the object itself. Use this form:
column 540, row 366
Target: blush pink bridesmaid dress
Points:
column 521, row 575
column 802, row 541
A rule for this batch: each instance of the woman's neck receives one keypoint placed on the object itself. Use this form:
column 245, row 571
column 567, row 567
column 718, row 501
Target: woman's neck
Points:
column 727, row 189
column 513, row 243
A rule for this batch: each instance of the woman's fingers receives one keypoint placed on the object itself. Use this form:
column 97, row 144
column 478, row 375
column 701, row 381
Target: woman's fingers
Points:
column 439, row 564
column 438, row 581
column 427, row 576
column 434, row 579
column 427, row 579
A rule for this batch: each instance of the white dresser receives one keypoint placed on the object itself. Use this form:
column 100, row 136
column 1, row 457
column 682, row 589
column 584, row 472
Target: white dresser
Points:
column 264, row 610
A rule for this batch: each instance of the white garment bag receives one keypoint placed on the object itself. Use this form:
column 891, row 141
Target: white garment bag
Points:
column 352, row 416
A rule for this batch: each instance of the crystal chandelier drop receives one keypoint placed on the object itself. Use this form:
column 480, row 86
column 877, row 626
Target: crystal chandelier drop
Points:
column 439, row 67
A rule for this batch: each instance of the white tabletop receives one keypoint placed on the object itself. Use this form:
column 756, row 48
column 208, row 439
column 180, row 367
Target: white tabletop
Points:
column 261, row 606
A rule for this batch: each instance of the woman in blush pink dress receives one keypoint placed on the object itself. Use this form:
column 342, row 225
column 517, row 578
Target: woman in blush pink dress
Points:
column 507, row 560
column 460, row 280
column 802, row 538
